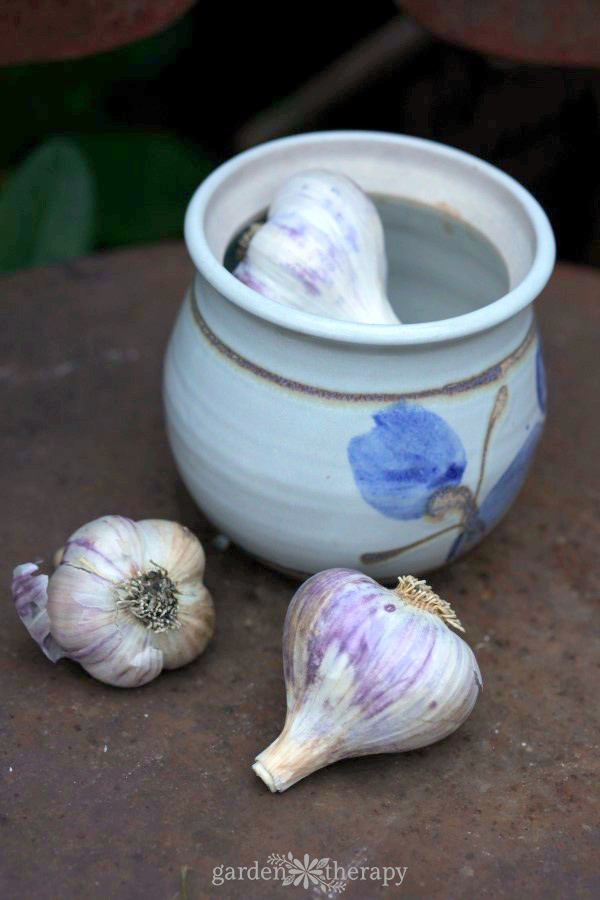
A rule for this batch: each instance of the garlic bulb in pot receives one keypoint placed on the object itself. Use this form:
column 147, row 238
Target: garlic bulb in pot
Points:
column 126, row 600
column 367, row 670
column 321, row 250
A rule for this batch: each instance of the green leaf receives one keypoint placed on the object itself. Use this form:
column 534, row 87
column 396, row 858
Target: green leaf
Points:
column 144, row 184
column 47, row 207
column 76, row 95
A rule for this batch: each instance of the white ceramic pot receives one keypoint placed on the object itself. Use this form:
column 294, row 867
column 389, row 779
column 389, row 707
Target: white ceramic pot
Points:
column 315, row 443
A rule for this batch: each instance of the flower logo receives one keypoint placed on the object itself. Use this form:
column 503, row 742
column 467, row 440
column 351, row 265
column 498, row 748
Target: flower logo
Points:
column 306, row 873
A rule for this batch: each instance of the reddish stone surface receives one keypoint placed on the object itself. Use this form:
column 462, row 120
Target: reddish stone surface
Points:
column 43, row 30
column 556, row 32
column 109, row 793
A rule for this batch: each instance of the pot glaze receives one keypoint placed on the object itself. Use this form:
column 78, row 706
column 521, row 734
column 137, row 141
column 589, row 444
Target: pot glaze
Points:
column 315, row 443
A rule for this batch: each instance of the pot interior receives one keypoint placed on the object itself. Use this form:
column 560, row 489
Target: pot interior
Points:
column 459, row 234
column 438, row 266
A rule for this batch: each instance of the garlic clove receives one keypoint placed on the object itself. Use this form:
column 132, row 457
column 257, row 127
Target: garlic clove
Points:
column 321, row 250
column 197, row 618
column 30, row 594
column 72, row 587
column 187, row 560
column 160, row 544
column 133, row 661
column 126, row 600
column 115, row 558
column 367, row 670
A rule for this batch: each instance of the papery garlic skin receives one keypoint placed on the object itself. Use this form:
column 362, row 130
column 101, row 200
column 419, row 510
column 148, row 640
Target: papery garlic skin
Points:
column 321, row 250
column 367, row 670
column 84, row 611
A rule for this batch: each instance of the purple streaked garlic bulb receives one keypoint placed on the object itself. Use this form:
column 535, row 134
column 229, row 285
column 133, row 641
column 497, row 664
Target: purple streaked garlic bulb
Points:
column 126, row 600
column 367, row 670
column 321, row 250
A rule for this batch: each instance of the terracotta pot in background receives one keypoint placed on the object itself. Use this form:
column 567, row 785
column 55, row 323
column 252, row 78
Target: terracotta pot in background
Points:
column 44, row 30
column 554, row 32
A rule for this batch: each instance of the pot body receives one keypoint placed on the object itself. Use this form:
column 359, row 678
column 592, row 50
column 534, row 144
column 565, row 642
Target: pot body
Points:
column 388, row 456
column 297, row 458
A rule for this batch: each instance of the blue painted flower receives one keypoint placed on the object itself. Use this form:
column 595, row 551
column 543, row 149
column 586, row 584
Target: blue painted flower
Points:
column 540, row 373
column 505, row 490
column 409, row 454
column 499, row 499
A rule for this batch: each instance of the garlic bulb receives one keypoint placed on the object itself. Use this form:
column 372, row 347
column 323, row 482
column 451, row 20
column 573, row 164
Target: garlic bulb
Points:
column 367, row 670
column 321, row 250
column 125, row 601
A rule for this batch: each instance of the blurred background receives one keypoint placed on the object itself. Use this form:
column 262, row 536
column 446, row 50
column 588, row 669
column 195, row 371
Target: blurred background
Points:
column 113, row 112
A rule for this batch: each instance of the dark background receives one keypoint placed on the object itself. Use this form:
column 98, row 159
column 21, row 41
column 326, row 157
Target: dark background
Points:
column 105, row 150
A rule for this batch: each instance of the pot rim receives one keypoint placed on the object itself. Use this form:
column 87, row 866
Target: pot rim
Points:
column 505, row 307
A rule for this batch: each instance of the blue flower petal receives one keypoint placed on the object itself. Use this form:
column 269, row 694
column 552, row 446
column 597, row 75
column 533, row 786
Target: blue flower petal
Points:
column 410, row 453
column 474, row 531
column 540, row 372
column 506, row 489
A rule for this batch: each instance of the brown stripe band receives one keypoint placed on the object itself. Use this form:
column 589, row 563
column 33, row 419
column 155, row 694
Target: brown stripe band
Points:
column 488, row 376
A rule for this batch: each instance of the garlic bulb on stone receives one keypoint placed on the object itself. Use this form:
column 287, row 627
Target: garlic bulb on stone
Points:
column 126, row 600
column 321, row 250
column 367, row 670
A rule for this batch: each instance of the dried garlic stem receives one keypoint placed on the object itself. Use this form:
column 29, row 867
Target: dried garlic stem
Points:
column 418, row 593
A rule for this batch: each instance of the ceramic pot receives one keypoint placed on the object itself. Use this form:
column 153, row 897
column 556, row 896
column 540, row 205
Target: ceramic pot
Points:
column 315, row 443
